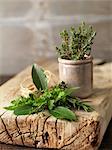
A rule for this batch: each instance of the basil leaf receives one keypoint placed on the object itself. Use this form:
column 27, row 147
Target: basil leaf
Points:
column 23, row 110
column 39, row 78
column 63, row 113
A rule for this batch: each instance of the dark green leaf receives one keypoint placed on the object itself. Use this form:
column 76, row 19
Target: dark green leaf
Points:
column 63, row 113
column 77, row 103
column 39, row 78
column 87, row 107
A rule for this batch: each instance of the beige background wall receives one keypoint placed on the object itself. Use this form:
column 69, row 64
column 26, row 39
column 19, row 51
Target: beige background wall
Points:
column 29, row 28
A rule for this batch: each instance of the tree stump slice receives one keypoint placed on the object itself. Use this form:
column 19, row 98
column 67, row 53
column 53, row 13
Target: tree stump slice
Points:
column 44, row 131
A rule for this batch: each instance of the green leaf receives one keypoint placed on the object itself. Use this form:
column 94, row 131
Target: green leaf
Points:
column 39, row 78
column 60, row 96
column 63, row 113
column 69, row 91
column 51, row 104
column 10, row 107
column 80, row 105
column 87, row 107
column 40, row 102
column 23, row 110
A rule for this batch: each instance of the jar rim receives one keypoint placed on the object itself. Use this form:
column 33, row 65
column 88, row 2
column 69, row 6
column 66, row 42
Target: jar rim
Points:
column 75, row 62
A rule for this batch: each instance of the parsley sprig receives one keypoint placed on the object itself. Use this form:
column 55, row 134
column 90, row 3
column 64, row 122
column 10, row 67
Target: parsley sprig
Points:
column 56, row 100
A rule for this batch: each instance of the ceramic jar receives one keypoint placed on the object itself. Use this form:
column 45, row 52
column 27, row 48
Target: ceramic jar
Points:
column 77, row 74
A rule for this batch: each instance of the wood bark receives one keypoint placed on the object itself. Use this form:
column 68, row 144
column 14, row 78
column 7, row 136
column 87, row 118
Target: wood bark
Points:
column 44, row 131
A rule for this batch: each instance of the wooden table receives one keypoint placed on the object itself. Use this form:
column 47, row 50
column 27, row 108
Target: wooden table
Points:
column 107, row 141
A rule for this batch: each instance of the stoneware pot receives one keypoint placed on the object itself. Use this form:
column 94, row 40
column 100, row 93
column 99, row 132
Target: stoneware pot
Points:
column 77, row 74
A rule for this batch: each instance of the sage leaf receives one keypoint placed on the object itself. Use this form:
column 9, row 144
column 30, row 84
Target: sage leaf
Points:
column 39, row 78
column 63, row 113
column 23, row 110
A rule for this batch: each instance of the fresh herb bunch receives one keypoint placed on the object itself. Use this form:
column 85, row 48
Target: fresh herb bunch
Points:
column 77, row 44
column 57, row 100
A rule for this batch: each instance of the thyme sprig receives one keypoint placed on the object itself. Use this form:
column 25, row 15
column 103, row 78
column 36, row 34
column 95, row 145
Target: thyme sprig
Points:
column 76, row 44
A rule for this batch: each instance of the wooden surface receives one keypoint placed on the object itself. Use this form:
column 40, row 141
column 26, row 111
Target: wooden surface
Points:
column 101, row 99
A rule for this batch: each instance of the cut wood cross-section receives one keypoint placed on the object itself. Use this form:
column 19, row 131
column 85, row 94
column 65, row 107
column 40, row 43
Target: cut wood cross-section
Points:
column 44, row 131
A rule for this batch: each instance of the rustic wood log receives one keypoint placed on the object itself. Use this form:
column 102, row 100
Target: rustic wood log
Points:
column 44, row 131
